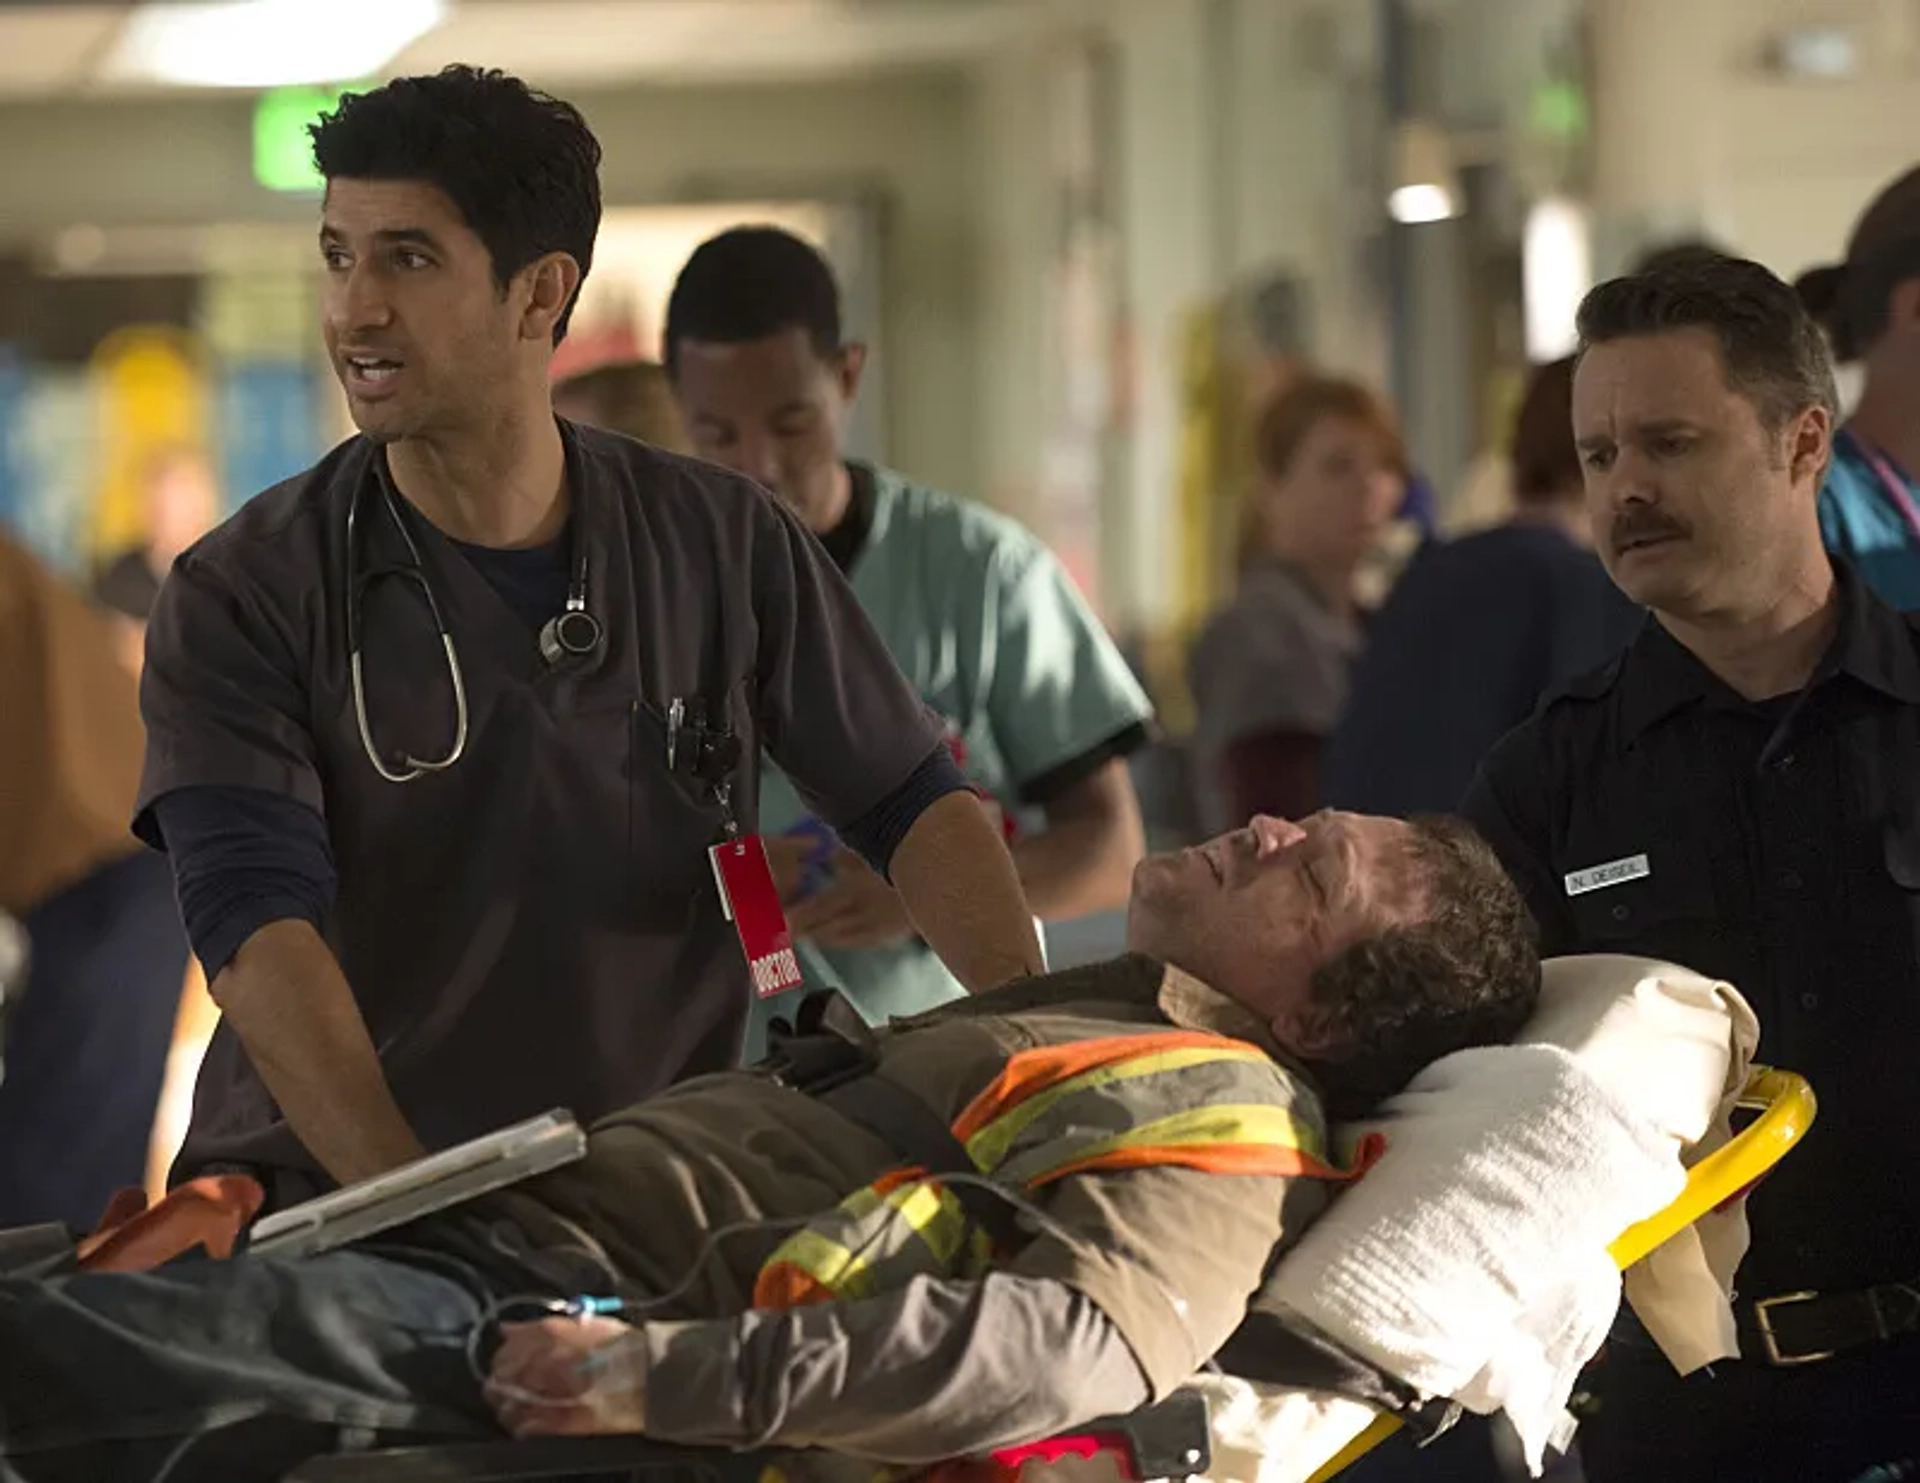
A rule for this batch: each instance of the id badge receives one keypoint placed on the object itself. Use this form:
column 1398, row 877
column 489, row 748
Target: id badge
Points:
column 748, row 897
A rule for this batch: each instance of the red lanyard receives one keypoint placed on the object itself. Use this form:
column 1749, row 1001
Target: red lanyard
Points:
column 1891, row 483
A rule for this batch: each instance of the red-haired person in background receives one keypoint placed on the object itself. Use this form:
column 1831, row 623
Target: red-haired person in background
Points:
column 1478, row 629
column 1269, row 672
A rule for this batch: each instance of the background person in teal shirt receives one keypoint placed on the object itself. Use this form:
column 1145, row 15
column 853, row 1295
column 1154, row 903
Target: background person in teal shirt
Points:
column 1041, row 709
column 1870, row 306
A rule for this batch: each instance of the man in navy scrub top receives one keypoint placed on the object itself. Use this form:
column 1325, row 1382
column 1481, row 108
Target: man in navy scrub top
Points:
column 442, row 731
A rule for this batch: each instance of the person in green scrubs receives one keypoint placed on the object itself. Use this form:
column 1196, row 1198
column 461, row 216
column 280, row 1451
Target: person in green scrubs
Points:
column 1039, row 706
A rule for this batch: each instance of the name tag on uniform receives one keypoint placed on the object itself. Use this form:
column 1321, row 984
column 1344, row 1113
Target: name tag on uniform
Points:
column 1613, row 873
column 752, row 904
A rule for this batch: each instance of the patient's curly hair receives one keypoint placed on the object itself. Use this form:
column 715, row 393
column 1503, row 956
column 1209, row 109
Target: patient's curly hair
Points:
column 1467, row 974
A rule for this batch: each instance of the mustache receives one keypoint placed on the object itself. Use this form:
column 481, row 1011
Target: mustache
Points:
column 1644, row 524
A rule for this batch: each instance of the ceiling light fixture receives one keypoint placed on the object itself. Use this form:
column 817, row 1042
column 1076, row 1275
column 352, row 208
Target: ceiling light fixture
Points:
column 1426, row 183
column 1556, row 272
column 266, row 43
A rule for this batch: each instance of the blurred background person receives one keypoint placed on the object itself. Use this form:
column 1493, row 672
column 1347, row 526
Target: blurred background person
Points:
column 1269, row 672
column 181, row 499
column 87, row 1040
column 632, row 397
column 1869, row 306
column 1040, row 709
column 1479, row 628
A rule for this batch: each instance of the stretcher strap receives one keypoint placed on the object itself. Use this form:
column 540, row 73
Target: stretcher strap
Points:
column 209, row 1212
column 909, row 1125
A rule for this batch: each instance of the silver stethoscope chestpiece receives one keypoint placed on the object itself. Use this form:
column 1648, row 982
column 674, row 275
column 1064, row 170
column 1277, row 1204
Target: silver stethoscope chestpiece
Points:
column 570, row 637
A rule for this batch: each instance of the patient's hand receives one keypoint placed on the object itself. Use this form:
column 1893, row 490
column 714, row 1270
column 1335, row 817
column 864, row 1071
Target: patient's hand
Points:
column 858, row 910
column 568, row 1377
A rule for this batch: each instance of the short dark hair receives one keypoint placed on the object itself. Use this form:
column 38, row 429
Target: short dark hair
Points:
column 1771, row 348
column 1675, row 250
column 1546, row 464
column 522, row 167
column 749, row 283
column 1466, row 974
column 1853, row 299
column 1853, row 302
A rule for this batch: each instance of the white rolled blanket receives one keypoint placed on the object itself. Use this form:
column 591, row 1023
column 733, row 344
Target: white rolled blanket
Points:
column 1471, row 1261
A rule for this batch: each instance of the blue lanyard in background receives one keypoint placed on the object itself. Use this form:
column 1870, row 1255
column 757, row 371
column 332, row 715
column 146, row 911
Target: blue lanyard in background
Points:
column 1891, row 483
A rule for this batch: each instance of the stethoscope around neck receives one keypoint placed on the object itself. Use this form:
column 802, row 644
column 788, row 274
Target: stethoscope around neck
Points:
column 569, row 638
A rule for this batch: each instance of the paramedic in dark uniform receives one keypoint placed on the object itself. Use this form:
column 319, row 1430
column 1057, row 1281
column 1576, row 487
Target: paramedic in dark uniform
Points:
column 1740, row 793
column 441, row 732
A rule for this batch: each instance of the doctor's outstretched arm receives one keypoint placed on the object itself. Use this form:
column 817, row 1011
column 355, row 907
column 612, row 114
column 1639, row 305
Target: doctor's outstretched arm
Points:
column 255, row 881
column 233, row 792
column 290, row 1005
column 871, row 759
column 959, row 885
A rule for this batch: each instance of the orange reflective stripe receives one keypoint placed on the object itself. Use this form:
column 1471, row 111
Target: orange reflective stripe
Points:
column 1180, row 1099
column 1227, row 1158
column 892, row 1180
column 783, row 1285
column 1029, row 1072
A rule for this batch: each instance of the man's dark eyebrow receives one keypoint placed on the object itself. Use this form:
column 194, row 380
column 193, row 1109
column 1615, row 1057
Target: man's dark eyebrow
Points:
column 785, row 409
column 389, row 237
column 1349, row 852
column 1653, row 427
column 1340, row 852
column 1657, row 426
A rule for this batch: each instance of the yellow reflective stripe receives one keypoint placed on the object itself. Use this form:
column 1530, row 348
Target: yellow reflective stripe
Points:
column 989, row 1146
column 878, row 1238
column 934, row 1215
column 922, row 1214
column 827, row 1262
column 1259, row 1123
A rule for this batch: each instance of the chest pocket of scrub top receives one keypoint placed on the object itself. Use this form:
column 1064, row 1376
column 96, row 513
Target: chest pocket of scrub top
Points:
column 671, row 818
column 629, row 841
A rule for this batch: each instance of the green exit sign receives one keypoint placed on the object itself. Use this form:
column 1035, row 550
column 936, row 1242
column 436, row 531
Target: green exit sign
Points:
column 282, row 150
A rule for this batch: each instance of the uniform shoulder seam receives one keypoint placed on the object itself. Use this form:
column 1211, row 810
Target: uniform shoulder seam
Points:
column 267, row 519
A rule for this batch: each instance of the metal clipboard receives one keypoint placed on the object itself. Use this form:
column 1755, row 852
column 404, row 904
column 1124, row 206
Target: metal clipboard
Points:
column 424, row 1187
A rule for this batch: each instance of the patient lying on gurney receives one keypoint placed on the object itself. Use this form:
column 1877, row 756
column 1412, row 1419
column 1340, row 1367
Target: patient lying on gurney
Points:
column 785, row 1283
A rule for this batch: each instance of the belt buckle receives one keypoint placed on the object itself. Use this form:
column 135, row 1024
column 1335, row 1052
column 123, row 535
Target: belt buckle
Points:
column 1763, row 1320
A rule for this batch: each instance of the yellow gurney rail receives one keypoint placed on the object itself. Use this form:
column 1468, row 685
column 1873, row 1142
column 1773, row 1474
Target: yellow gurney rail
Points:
column 1785, row 1104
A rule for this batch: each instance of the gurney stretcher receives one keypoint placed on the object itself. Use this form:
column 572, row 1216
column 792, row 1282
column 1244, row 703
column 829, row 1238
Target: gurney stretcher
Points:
column 1322, row 1415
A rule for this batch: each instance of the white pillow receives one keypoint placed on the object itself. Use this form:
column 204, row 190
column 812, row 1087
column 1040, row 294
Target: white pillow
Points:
column 1471, row 1260
column 1672, row 1044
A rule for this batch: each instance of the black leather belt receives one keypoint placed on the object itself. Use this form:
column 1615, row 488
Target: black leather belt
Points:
column 1801, row 1328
